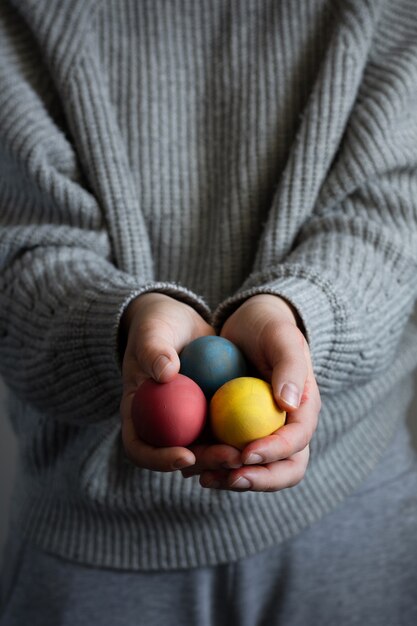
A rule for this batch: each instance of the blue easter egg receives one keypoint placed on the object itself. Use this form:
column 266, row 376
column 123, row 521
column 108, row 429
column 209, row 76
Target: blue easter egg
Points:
column 212, row 361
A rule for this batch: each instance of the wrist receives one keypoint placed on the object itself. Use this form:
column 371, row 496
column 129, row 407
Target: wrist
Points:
column 285, row 308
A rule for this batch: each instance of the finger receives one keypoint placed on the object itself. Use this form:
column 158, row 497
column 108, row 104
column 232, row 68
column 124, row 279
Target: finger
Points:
column 291, row 438
column 270, row 477
column 151, row 457
column 156, row 355
column 283, row 346
column 212, row 457
column 154, row 348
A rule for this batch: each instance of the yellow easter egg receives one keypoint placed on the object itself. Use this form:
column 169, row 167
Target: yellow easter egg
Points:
column 244, row 409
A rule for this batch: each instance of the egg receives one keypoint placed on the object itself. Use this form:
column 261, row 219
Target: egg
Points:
column 243, row 410
column 169, row 414
column 211, row 361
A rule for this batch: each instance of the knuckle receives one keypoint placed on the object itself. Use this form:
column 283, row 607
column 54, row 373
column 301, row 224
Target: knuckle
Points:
column 285, row 446
column 146, row 351
column 300, row 467
column 290, row 360
column 311, row 395
column 269, row 480
column 153, row 329
column 306, row 437
column 284, row 353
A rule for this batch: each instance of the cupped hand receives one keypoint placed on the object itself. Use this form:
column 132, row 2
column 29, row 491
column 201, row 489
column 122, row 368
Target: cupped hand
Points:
column 157, row 328
column 265, row 328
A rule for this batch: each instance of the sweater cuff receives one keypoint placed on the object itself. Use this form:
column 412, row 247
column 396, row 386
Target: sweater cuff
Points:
column 173, row 290
column 325, row 319
column 91, row 334
column 105, row 313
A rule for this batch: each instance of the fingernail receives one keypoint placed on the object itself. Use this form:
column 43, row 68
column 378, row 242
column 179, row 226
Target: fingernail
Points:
column 231, row 465
column 290, row 394
column 160, row 365
column 241, row 483
column 254, row 459
column 181, row 463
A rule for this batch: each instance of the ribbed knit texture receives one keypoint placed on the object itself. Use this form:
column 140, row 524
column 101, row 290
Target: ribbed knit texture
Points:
column 211, row 151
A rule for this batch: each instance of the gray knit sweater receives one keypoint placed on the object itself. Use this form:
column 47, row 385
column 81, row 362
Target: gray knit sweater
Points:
column 209, row 150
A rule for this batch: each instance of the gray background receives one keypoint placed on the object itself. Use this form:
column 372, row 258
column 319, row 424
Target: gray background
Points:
column 9, row 457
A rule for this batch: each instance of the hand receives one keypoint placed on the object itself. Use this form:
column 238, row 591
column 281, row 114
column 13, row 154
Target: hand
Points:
column 157, row 328
column 265, row 328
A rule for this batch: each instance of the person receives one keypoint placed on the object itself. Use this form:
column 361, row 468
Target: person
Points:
column 178, row 169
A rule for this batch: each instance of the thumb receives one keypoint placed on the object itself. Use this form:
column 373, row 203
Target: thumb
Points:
column 157, row 358
column 151, row 356
column 284, row 350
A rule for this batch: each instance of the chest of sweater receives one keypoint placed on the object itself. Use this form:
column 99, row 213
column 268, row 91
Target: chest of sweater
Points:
column 197, row 107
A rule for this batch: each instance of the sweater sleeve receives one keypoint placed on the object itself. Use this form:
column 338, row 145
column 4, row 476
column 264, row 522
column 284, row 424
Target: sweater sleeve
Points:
column 351, row 272
column 61, row 293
